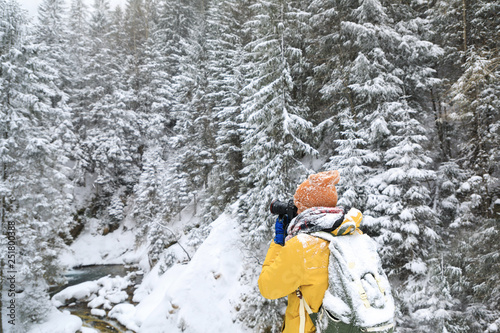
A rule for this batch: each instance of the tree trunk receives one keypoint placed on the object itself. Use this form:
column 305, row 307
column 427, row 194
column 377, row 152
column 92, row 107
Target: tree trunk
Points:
column 464, row 18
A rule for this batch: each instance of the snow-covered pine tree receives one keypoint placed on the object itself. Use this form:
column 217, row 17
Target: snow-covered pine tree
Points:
column 275, row 138
column 137, row 21
column 180, row 115
column 142, row 70
column 154, row 89
column 35, row 190
column 476, row 97
column 78, row 27
column 477, row 94
column 175, row 42
column 154, row 203
column 471, row 259
column 52, row 33
column 474, row 253
column 275, row 126
column 148, row 195
column 437, row 309
column 465, row 29
column 481, row 268
column 78, row 47
column 353, row 161
column 196, row 126
column 341, row 120
column 473, row 83
column 326, row 56
column 450, row 178
column 226, row 37
column 409, row 228
column 150, row 79
column 95, row 84
column 110, row 126
column 380, row 72
column 446, row 30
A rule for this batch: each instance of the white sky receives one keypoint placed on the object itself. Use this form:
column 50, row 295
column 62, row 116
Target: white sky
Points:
column 32, row 5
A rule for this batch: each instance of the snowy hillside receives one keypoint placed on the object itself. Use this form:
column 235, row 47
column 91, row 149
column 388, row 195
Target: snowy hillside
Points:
column 200, row 296
column 187, row 297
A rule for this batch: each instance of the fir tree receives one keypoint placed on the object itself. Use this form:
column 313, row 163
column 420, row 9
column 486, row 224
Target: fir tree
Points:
column 52, row 33
column 226, row 39
column 380, row 72
column 275, row 127
column 35, row 192
column 275, row 132
column 352, row 161
column 109, row 125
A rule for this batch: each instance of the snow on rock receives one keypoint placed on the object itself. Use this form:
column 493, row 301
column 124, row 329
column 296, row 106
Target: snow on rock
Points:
column 58, row 322
column 98, row 312
column 88, row 330
column 79, row 291
column 124, row 313
column 101, row 293
column 196, row 297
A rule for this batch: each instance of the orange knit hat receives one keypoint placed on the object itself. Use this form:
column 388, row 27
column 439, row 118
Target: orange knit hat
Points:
column 317, row 190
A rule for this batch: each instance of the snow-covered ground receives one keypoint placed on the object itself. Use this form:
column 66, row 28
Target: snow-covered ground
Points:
column 197, row 296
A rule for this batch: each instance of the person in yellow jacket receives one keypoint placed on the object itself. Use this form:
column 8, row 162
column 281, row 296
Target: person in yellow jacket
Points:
column 301, row 263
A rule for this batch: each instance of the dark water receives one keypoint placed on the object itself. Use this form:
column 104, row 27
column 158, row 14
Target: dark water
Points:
column 91, row 273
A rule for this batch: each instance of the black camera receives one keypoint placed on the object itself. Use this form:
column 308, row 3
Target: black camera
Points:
column 282, row 208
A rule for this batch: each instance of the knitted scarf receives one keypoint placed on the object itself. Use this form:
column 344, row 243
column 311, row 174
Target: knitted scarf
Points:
column 317, row 219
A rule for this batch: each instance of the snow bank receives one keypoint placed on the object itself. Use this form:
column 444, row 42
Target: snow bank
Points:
column 124, row 313
column 197, row 297
column 77, row 292
column 117, row 247
column 59, row 322
column 101, row 293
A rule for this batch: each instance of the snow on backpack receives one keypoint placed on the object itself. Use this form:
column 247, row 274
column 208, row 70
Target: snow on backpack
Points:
column 359, row 292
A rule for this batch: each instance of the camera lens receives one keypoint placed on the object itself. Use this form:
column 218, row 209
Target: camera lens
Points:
column 278, row 207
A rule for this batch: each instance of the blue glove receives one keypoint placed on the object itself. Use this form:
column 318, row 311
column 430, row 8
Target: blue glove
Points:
column 279, row 231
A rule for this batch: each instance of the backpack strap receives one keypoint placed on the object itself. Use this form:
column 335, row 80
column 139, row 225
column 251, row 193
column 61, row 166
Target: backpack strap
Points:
column 303, row 307
column 362, row 294
column 323, row 235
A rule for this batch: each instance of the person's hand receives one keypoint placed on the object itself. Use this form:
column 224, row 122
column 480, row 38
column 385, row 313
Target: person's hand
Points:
column 279, row 231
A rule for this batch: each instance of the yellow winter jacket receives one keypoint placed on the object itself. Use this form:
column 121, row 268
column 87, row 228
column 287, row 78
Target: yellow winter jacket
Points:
column 302, row 262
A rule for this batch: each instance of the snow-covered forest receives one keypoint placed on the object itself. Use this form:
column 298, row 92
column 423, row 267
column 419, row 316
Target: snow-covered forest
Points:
column 139, row 113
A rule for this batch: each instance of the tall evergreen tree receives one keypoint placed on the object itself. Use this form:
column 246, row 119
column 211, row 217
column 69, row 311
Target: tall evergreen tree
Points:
column 52, row 33
column 35, row 196
column 226, row 37
column 275, row 125
column 178, row 46
column 78, row 47
column 352, row 160
column 275, row 136
column 380, row 72
column 177, row 113
column 109, row 125
column 477, row 93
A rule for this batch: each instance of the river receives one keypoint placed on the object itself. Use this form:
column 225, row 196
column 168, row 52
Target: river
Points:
column 91, row 273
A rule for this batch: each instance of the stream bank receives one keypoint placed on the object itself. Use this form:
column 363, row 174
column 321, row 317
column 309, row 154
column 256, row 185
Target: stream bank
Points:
column 93, row 290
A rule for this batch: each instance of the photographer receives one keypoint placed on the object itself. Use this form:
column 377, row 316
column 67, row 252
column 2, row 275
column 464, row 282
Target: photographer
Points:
column 296, row 263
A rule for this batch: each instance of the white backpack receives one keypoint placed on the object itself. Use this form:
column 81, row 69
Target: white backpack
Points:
column 359, row 292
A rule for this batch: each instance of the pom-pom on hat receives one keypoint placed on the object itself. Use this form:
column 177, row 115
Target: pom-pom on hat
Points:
column 317, row 190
